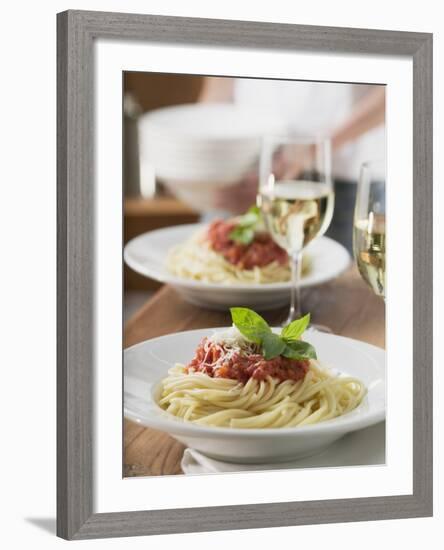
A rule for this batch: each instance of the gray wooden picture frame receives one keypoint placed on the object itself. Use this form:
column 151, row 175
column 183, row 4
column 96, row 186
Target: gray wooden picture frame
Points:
column 76, row 33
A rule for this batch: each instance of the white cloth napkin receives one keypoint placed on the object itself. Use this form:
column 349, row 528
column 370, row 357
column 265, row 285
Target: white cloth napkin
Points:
column 365, row 447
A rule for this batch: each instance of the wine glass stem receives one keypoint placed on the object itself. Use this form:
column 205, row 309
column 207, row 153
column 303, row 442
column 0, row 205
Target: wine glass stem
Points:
column 295, row 300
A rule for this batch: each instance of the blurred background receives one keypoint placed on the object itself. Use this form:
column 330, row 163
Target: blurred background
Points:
column 148, row 204
column 192, row 144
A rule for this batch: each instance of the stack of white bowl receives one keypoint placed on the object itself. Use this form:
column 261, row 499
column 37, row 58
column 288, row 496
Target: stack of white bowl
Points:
column 197, row 148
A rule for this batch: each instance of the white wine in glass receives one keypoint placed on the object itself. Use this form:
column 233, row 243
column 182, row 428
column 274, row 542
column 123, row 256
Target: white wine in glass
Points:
column 369, row 237
column 297, row 213
column 296, row 198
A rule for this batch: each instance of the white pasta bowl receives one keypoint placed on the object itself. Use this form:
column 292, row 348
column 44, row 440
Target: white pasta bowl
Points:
column 147, row 363
column 147, row 255
column 211, row 143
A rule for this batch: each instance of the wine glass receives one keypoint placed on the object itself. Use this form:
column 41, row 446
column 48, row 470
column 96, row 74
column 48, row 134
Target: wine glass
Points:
column 296, row 199
column 369, row 226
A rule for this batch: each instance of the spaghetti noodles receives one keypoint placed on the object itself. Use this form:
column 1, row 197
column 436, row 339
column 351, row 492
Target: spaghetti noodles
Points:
column 228, row 384
column 195, row 259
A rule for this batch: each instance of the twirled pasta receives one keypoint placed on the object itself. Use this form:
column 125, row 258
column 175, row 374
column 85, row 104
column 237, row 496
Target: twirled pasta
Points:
column 223, row 402
column 194, row 259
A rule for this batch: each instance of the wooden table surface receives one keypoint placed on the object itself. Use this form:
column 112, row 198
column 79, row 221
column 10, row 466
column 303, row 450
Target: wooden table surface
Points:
column 345, row 304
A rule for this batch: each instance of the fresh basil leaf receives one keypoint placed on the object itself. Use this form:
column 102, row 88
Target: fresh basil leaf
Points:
column 250, row 324
column 272, row 345
column 295, row 329
column 251, row 217
column 246, row 224
column 254, row 209
column 247, row 220
column 243, row 235
column 299, row 350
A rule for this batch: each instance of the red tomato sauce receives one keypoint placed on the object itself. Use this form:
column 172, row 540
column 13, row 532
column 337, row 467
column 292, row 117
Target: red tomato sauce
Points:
column 259, row 253
column 209, row 360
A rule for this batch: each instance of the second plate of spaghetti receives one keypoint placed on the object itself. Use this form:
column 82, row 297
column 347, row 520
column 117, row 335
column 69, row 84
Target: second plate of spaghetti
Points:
column 249, row 393
column 178, row 256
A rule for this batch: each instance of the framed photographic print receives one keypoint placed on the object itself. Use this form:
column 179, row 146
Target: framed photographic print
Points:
column 225, row 188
